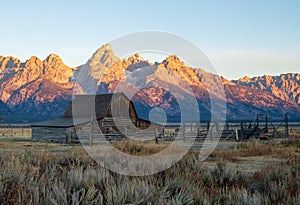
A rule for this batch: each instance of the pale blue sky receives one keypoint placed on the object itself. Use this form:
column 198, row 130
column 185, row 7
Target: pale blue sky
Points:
column 240, row 37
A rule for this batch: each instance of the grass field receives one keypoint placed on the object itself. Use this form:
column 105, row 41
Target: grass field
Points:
column 254, row 172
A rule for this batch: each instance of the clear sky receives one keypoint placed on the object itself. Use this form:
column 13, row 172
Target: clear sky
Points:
column 240, row 37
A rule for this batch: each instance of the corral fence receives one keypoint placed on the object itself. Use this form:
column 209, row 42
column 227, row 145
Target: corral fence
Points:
column 188, row 132
column 21, row 130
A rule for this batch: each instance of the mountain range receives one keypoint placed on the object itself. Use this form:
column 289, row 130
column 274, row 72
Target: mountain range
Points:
column 42, row 89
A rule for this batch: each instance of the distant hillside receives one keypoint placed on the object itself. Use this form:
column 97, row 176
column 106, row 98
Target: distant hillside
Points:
column 4, row 110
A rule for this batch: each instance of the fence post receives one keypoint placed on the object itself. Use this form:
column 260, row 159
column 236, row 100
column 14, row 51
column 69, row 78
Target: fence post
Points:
column 217, row 125
column 236, row 135
column 183, row 132
column 156, row 135
column 207, row 125
column 69, row 135
column 211, row 132
column 91, row 133
column 286, row 120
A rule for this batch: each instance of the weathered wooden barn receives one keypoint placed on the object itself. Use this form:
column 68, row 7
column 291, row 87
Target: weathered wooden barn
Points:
column 111, row 116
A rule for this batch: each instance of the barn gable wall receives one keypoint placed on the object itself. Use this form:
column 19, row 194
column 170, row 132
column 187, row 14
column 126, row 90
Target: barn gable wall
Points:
column 120, row 106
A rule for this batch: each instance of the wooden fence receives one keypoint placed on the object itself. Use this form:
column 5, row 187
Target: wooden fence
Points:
column 186, row 132
column 15, row 130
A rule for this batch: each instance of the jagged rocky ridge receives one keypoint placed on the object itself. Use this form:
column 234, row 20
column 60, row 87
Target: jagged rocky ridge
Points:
column 285, row 86
column 42, row 89
column 35, row 89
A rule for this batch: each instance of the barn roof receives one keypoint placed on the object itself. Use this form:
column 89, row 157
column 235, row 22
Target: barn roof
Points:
column 84, row 103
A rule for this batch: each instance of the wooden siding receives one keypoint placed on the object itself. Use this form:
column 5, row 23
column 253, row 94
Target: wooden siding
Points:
column 120, row 106
column 143, row 123
column 49, row 134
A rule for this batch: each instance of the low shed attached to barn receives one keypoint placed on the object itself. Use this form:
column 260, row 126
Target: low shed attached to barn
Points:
column 57, row 130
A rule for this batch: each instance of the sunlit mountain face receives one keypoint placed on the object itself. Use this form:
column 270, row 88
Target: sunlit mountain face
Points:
column 36, row 89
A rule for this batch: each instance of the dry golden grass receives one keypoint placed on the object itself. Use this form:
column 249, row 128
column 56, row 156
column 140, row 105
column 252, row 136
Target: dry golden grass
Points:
column 139, row 148
column 49, row 173
column 276, row 149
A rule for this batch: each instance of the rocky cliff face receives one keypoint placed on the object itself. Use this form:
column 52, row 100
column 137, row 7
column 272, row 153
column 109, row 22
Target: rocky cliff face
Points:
column 9, row 62
column 285, row 86
column 35, row 87
column 44, row 88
